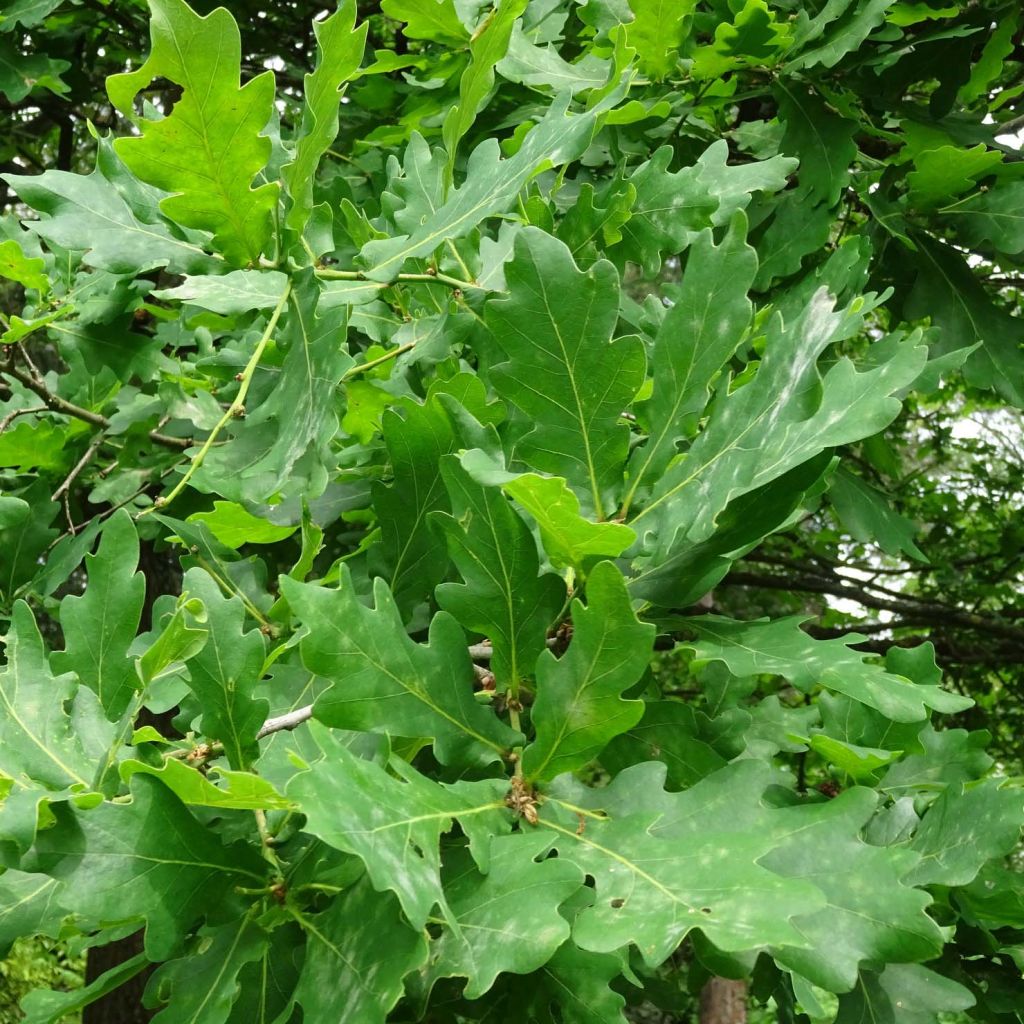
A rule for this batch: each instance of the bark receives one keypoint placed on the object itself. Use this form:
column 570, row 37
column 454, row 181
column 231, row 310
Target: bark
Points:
column 723, row 1001
column 123, row 1005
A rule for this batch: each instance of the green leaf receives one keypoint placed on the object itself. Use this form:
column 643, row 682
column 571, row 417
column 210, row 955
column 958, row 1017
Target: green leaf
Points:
column 16, row 266
column 563, row 371
column 417, row 437
column 653, row 886
column 844, row 37
column 224, row 673
column 792, row 411
column 508, row 919
column 25, row 12
column 504, row 596
column 866, row 513
column 695, row 341
column 673, row 206
column 781, row 647
column 202, row 986
column 487, row 46
column 29, row 905
column 990, row 215
column 491, row 184
column 393, row 826
column 947, row 291
column 340, row 48
column 357, row 953
column 21, row 73
column 668, row 732
column 100, row 625
column 964, row 828
column 872, row 915
column 542, row 67
column 579, row 705
column 578, row 984
column 236, row 292
column 209, row 149
column 146, row 859
column 234, row 526
column 821, row 141
column 386, row 682
column 12, row 511
column 903, row 994
column 88, row 214
column 39, row 742
column 943, row 173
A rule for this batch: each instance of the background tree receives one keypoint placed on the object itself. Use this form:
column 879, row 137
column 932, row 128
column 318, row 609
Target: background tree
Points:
column 309, row 355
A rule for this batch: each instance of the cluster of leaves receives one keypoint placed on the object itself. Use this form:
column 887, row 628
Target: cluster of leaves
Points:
column 358, row 352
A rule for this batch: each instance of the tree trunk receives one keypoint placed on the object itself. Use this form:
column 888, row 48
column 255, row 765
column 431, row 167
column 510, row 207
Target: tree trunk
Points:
column 723, row 1001
column 124, row 1004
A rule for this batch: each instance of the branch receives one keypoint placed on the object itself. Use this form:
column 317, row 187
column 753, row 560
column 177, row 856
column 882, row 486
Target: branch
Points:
column 57, row 404
column 910, row 609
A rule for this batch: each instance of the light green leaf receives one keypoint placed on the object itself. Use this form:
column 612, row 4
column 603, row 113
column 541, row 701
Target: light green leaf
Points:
column 146, row 859
column 39, row 742
column 178, row 640
column 872, row 915
column 428, row 19
column 16, row 266
column 88, row 214
column 568, row 538
column 562, row 370
column 100, row 625
column 241, row 790
column 862, row 764
column 504, row 596
column 579, row 705
column 781, row 647
column 29, row 905
column 543, row 67
column 508, row 919
column 357, row 953
column 234, row 526
column 386, row 682
column 209, row 149
column 656, row 33
column 340, row 48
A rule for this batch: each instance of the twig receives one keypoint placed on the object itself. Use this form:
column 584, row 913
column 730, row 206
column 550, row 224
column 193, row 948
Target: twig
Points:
column 78, row 467
column 236, row 408
column 328, row 274
column 287, row 721
column 12, row 416
column 352, row 371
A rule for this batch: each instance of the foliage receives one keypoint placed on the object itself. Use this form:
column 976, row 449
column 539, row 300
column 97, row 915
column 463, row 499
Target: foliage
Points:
column 384, row 390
